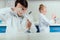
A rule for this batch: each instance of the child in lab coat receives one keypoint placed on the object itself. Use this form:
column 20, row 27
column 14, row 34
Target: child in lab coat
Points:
column 43, row 21
column 15, row 19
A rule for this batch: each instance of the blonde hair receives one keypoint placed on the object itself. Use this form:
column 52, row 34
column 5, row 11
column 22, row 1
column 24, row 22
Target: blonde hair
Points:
column 41, row 7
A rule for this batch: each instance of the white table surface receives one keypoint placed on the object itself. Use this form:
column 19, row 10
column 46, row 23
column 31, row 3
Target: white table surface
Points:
column 31, row 36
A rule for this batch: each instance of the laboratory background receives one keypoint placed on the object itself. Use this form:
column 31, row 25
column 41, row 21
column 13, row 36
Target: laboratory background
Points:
column 53, row 7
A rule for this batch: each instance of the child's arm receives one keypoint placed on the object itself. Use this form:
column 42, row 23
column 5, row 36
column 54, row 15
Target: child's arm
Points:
column 47, row 21
column 28, row 24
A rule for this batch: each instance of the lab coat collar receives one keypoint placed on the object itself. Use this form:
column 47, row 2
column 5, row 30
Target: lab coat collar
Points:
column 13, row 13
column 42, row 14
column 22, row 17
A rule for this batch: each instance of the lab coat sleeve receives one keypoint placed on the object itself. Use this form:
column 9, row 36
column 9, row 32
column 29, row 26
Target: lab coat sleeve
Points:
column 46, row 21
column 30, row 18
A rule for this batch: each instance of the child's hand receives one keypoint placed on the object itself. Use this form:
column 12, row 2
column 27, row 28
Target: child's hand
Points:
column 53, row 16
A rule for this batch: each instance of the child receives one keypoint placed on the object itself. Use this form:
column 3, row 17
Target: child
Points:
column 14, row 17
column 44, row 22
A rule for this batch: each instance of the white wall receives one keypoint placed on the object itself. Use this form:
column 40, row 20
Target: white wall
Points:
column 10, row 3
column 7, row 3
column 2, row 3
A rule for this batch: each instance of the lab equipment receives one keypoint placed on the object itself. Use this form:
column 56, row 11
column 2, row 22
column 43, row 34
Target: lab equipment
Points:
column 55, row 28
column 2, row 29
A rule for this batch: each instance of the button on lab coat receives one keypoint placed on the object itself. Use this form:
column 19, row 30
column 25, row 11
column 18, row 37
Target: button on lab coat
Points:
column 44, row 23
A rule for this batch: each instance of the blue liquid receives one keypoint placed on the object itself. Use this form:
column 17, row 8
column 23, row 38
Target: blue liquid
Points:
column 2, row 29
column 54, row 28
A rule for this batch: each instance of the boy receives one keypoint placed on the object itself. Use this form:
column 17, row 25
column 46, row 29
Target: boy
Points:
column 15, row 17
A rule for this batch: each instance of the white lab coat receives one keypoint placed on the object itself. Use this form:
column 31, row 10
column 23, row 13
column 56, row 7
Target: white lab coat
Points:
column 12, row 21
column 44, row 23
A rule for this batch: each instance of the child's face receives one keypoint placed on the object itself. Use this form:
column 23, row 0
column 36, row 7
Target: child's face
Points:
column 20, row 9
column 44, row 10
